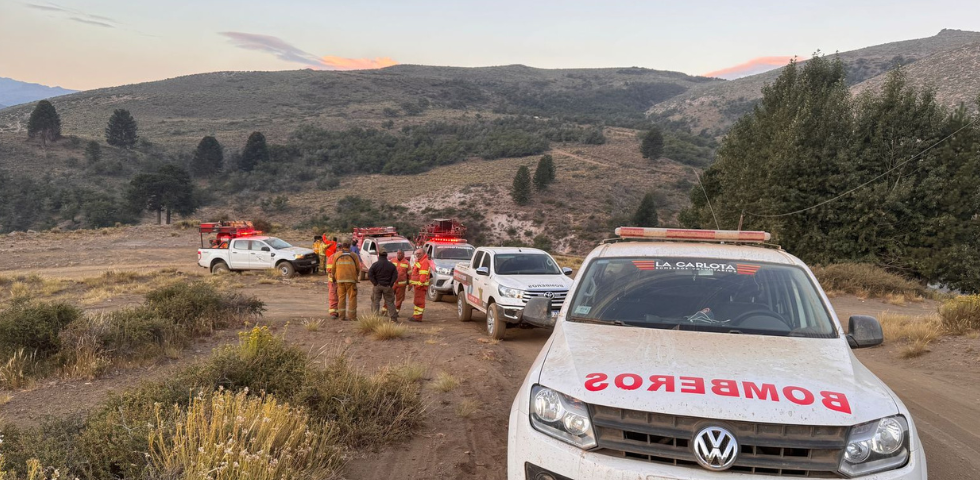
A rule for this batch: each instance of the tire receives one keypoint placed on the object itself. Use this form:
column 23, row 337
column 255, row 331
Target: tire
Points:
column 286, row 269
column 432, row 295
column 496, row 328
column 463, row 310
column 363, row 276
column 220, row 268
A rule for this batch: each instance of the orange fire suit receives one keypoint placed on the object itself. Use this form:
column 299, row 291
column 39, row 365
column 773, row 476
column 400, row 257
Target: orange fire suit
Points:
column 404, row 269
column 346, row 269
column 329, row 250
column 420, row 283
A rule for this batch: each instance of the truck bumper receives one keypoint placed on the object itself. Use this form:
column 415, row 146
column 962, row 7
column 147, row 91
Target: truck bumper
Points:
column 442, row 284
column 531, row 455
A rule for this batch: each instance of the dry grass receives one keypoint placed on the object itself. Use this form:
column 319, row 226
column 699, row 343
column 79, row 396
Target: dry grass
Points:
column 5, row 398
column 19, row 371
column 408, row 372
column 916, row 332
column 573, row 262
column 467, row 407
column 868, row 281
column 445, row 382
column 381, row 328
column 312, row 324
column 960, row 315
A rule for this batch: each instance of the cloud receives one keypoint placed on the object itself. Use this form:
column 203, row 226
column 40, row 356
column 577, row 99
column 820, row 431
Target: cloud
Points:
column 289, row 53
column 75, row 15
column 751, row 67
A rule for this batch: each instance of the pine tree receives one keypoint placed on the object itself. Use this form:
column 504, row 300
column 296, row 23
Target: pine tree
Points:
column 646, row 213
column 44, row 123
column 121, row 130
column 256, row 151
column 652, row 144
column 208, row 157
column 544, row 174
column 521, row 192
column 168, row 190
column 93, row 152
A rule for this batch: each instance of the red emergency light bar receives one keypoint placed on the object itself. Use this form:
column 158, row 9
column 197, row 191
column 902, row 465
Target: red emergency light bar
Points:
column 374, row 231
column 448, row 240
column 694, row 235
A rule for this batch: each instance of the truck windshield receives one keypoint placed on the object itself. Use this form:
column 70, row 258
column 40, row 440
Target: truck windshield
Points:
column 525, row 264
column 277, row 243
column 701, row 294
column 455, row 252
column 392, row 247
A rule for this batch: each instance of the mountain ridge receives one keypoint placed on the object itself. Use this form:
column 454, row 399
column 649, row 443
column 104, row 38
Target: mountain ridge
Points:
column 15, row 92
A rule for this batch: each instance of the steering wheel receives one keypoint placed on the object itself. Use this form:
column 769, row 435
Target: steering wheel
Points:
column 760, row 312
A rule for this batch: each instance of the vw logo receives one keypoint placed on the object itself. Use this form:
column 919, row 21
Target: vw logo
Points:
column 715, row 448
column 549, row 295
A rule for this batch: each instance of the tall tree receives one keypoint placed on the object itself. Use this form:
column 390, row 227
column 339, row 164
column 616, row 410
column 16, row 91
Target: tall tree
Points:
column 521, row 191
column 646, row 213
column 544, row 174
column 652, row 143
column 121, row 130
column 168, row 190
column 93, row 152
column 256, row 151
column 208, row 157
column 44, row 123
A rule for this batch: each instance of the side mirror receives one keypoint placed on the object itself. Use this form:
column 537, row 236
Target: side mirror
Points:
column 483, row 271
column 864, row 332
column 567, row 271
column 266, row 249
column 537, row 312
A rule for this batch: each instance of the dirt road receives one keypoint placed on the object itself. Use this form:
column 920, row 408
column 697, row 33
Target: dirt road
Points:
column 942, row 388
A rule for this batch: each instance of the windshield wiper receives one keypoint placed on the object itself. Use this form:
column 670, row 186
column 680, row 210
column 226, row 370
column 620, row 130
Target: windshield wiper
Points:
column 618, row 323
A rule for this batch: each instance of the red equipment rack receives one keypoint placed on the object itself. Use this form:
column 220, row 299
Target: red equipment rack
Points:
column 443, row 230
column 226, row 231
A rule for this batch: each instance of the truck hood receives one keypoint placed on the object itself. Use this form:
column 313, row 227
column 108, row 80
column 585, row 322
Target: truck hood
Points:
column 296, row 250
column 445, row 263
column 535, row 282
column 753, row 378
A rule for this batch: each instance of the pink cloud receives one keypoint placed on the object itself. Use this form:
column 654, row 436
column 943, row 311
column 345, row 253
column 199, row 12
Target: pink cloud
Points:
column 751, row 67
column 287, row 52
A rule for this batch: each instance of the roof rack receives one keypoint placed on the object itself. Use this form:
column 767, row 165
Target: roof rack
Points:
column 633, row 234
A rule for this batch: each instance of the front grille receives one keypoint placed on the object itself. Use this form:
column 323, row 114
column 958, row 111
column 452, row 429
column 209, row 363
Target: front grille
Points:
column 556, row 300
column 764, row 448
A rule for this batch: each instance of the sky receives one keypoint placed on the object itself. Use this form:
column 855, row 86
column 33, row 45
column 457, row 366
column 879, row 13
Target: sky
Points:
column 85, row 44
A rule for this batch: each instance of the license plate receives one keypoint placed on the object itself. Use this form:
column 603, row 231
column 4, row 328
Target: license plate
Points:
column 554, row 313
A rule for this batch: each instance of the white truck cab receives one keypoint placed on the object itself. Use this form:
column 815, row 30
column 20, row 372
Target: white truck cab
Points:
column 677, row 359
column 373, row 239
column 499, row 281
column 444, row 255
column 258, row 252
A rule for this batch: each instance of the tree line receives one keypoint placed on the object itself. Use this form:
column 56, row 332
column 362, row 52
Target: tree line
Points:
column 886, row 177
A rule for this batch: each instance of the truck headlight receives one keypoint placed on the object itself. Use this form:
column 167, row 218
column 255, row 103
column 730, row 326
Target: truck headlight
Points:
column 876, row 446
column 557, row 415
column 510, row 292
column 298, row 256
column 444, row 271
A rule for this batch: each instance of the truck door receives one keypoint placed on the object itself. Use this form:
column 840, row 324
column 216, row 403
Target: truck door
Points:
column 481, row 283
column 261, row 255
column 369, row 253
column 239, row 255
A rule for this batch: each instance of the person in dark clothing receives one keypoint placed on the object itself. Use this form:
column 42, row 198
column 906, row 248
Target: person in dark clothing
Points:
column 383, row 275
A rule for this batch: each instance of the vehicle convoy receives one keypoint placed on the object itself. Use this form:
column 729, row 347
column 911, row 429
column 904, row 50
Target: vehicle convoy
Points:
column 370, row 240
column 445, row 246
column 696, row 354
column 239, row 246
column 499, row 282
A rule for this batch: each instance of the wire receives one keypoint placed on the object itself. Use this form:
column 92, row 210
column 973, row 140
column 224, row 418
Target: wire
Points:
column 890, row 170
column 707, row 199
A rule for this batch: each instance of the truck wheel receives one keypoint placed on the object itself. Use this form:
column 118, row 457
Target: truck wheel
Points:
column 286, row 269
column 432, row 295
column 220, row 268
column 495, row 326
column 463, row 309
column 363, row 276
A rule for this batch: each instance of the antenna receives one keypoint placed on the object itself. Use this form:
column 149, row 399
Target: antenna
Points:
column 706, row 199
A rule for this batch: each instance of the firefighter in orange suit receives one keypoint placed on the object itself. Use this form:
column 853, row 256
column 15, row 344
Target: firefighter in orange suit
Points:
column 346, row 271
column 404, row 270
column 420, row 283
column 329, row 250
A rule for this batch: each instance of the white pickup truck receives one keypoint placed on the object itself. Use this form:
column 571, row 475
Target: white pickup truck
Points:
column 256, row 253
column 499, row 281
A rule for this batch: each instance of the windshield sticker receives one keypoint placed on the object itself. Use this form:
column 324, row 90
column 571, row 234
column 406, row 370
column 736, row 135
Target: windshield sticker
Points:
column 835, row 401
column 582, row 310
column 704, row 268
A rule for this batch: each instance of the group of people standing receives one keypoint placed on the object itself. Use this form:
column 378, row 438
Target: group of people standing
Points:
column 390, row 280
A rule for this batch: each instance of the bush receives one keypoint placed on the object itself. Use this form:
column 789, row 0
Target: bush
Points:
column 865, row 279
column 261, row 362
column 35, row 327
column 960, row 314
column 199, row 308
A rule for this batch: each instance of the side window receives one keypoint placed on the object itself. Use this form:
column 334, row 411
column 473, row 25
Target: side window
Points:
column 486, row 261
column 257, row 245
column 429, row 250
column 241, row 244
column 476, row 259
column 369, row 246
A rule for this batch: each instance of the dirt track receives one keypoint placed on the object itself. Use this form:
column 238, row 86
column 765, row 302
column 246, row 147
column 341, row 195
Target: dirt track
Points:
column 942, row 388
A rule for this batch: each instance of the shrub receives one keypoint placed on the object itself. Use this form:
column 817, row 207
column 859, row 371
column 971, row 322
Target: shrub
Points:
column 19, row 370
column 960, row 314
column 228, row 435
column 916, row 332
column 199, row 307
column 865, row 279
column 261, row 361
column 35, row 327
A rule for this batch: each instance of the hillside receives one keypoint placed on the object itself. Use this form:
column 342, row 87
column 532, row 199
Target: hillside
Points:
column 13, row 92
column 953, row 74
column 715, row 106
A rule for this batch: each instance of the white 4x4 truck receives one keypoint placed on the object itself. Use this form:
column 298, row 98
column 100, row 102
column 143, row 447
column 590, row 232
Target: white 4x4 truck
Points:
column 499, row 281
column 678, row 359
column 258, row 252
